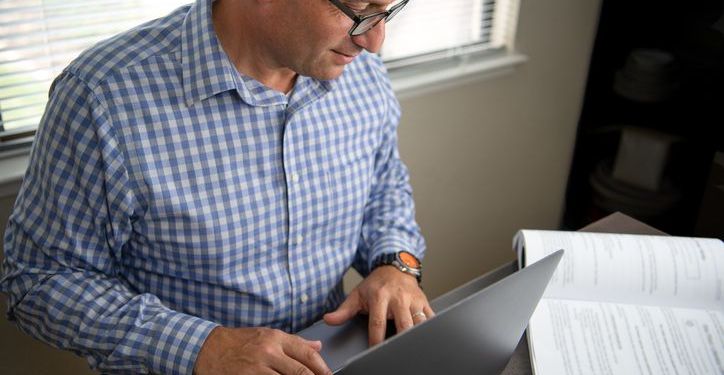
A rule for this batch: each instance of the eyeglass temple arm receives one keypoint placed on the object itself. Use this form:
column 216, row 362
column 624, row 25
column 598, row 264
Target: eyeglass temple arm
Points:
column 346, row 10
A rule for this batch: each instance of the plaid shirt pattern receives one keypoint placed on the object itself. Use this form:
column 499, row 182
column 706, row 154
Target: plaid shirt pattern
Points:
column 167, row 194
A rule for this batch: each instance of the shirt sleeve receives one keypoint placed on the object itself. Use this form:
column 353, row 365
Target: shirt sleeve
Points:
column 389, row 219
column 70, row 222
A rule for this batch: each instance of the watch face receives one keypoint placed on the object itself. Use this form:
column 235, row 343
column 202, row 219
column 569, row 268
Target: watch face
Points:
column 409, row 260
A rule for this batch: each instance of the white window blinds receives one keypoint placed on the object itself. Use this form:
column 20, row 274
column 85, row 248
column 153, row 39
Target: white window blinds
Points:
column 429, row 26
column 38, row 38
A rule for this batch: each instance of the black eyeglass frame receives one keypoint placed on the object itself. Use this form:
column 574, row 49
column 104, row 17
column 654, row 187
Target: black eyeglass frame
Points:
column 358, row 20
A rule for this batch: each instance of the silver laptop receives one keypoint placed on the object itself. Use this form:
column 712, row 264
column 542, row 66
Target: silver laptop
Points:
column 475, row 333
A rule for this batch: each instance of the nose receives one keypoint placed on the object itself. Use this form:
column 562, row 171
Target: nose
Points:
column 372, row 39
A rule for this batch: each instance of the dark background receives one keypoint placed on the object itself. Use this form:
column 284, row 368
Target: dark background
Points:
column 693, row 114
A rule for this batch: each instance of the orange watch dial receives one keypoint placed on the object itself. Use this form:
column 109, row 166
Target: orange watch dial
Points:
column 409, row 260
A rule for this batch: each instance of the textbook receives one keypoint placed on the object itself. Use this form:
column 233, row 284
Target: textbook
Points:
column 627, row 304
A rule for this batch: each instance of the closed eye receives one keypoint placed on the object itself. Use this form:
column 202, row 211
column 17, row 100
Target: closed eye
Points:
column 357, row 6
column 363, row 8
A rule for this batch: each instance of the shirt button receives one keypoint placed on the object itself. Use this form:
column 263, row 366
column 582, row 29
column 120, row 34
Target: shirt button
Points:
column 300, row 239
column 304, row 298
column 294, row 177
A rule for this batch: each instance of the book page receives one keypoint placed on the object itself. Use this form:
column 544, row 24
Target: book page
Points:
column 579, row 337
column 622, row 268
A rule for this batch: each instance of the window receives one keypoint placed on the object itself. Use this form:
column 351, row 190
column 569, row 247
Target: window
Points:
column 428, row 29
column 38, row 38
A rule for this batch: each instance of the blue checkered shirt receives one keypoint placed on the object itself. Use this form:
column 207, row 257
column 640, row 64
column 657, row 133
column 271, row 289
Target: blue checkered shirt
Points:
column 167, row 194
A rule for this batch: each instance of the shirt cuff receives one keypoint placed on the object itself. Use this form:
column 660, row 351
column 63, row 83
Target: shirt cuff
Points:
column 178, row 343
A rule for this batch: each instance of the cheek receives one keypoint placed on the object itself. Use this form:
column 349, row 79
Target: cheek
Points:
column 324, row 40
column 333, row 27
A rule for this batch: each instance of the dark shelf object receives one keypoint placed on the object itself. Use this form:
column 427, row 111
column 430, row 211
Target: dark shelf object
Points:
column 693, row 114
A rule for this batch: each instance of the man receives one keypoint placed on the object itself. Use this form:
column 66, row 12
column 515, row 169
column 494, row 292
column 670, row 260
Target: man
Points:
column 199, row 185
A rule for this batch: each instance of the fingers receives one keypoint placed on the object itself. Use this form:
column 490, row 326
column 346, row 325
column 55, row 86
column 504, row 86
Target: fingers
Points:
column 247, row 351
column 428, row 311
column 377, row 321
column 316, row 345
column 346, row 311
column 304, row 357
column 418, row 315
column 403, row 316
column 422, row 313
column 291, row 366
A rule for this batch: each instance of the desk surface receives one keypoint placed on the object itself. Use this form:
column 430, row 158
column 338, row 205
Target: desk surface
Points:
column 615, row 223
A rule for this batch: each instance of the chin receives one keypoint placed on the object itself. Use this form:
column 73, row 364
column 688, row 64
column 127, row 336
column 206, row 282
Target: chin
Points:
column 335, row 74
column 328, row 74
column 323, row 69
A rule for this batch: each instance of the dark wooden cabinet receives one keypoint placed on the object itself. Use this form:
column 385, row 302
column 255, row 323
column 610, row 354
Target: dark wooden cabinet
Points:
column 648, row 98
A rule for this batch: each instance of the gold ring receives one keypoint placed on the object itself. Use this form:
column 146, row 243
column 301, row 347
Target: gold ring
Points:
column 419, row 314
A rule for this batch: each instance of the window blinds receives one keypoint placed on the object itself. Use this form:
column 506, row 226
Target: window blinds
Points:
column 438, row 26
column 38, row 38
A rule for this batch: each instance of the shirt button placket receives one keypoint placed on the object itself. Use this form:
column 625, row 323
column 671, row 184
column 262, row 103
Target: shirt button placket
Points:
column 295, row 242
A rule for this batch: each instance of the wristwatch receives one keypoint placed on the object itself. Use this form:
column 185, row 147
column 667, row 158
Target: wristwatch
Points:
column 403, row 260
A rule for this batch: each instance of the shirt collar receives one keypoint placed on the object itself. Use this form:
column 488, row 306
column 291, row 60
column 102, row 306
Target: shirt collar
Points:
column 204, row 63
column 208, row 71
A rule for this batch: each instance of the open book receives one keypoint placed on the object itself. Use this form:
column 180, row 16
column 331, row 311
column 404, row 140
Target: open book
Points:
column 627, row 304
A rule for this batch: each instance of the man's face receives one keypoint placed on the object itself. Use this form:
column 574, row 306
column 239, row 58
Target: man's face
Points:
column 313, row 38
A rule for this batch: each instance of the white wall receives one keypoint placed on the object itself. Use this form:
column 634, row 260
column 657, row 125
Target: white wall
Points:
column 486, row 159
column 492, row 157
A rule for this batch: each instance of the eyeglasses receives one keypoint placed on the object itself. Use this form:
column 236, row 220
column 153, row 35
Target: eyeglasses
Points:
column 363, row 24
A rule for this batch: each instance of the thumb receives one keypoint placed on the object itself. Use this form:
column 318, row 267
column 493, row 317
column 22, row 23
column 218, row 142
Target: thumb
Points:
column 348, row 309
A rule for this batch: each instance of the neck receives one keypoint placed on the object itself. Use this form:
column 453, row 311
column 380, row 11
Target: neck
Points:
column 235, row 30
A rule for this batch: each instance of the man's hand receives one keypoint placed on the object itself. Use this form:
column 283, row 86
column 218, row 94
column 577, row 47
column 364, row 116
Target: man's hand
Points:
column 259, row 351
column 385, row 294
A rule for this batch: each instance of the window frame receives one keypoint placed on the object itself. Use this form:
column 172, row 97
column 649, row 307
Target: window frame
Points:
column 410, row 76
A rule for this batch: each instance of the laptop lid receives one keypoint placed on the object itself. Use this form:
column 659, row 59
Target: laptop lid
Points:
column 476, row 334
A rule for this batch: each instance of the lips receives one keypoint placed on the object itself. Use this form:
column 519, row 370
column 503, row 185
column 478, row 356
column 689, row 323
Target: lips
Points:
column 352, row 55
column 343, row 58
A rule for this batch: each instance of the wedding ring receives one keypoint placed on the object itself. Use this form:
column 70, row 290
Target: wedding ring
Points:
column 419, row 314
